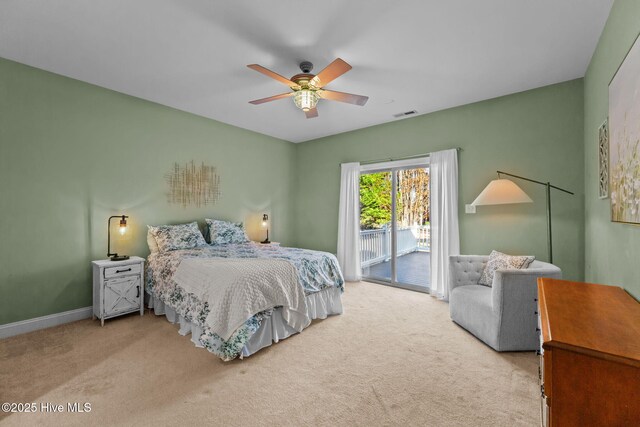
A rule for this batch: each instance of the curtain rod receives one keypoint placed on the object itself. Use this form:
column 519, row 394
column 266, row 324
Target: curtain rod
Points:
column 366, row 162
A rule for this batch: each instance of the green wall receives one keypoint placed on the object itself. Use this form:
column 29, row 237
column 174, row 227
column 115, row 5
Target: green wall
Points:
column 537, row 134
column 72, row 154
column 612, row 250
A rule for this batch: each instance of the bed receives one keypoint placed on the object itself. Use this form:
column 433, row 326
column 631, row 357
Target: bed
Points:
column 317, row 274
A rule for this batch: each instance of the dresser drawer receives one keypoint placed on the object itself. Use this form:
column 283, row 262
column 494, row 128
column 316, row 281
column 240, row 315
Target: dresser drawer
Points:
column 123, row 270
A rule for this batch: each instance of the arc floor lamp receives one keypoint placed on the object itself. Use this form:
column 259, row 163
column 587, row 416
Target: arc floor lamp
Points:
column 503, row 191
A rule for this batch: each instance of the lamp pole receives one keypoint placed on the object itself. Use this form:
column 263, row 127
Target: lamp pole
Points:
column 549, row 235
column 548, row 186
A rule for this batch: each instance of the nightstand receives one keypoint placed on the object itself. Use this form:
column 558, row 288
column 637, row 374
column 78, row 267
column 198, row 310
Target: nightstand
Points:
column 118, row 287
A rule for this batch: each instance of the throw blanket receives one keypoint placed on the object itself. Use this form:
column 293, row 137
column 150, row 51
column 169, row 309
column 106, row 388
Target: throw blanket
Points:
column 237, row 289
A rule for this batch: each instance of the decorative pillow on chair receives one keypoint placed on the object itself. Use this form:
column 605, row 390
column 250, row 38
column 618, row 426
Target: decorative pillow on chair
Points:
column 174, row 237
column 500, row 261
column 225, row 232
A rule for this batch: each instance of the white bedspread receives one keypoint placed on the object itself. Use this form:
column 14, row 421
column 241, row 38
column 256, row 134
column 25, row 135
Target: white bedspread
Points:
column 236, row 289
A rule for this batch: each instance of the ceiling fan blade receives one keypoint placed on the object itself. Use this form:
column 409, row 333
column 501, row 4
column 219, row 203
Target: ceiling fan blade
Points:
column 271, row 98
column 332, row 72
column 273, row 75
column 349, row 98
column 311, row 113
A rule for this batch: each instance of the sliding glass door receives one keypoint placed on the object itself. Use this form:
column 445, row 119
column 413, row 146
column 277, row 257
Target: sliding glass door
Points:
column 376, row 216
column 394, row 225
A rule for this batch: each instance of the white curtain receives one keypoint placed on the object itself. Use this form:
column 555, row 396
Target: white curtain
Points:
column 349, row 222
column 445, row 236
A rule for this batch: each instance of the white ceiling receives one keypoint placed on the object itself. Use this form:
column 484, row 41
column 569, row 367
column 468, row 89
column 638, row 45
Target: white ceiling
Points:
column 423, row 55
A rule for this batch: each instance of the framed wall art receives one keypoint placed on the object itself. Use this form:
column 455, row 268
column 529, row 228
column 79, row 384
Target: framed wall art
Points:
column 624, row 139
column 603, row 160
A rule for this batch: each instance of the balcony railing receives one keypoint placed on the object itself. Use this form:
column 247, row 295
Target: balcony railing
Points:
column 375, row 245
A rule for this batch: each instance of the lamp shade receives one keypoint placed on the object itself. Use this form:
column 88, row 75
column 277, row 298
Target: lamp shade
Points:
column 501, row 192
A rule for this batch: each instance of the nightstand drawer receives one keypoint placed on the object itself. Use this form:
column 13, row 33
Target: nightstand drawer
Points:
column 121, row 271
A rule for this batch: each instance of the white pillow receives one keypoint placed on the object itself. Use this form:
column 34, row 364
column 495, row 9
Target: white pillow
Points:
column 151, row 242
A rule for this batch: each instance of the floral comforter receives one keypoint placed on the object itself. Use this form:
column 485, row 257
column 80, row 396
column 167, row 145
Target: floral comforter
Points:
column 316, row 271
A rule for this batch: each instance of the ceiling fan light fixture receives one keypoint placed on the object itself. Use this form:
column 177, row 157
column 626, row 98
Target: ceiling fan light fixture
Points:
column 305, row 99
column 307, row 89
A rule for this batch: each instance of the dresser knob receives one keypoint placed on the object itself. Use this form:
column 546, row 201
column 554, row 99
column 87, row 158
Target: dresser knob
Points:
column 537, row 329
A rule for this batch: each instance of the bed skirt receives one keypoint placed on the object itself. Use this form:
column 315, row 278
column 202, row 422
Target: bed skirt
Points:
column 273, row 329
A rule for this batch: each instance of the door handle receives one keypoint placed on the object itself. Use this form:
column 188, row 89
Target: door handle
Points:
column 138, row 295
column 122, row 271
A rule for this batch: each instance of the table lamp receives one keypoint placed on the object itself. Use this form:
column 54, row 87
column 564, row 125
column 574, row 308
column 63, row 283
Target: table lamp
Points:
column 123, row 230
column 265, row 224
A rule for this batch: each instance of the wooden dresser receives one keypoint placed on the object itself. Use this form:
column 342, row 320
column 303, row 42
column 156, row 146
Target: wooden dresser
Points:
column 590, row 354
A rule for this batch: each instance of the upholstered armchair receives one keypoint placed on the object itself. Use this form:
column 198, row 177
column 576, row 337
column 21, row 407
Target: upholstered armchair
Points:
column 503, row 316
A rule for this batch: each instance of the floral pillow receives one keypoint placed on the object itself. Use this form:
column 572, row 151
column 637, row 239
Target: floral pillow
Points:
column 174, row 237
column 225, row 232
column 500, row 261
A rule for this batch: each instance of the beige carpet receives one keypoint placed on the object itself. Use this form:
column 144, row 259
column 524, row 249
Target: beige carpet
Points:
column 393, row 358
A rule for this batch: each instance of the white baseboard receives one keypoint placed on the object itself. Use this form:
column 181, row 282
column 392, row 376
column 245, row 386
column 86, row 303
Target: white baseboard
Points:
column 30, row 325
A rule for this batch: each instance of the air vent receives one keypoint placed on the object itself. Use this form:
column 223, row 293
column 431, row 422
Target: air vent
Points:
column 405, row 114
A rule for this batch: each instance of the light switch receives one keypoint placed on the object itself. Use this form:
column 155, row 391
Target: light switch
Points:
column 469, row 208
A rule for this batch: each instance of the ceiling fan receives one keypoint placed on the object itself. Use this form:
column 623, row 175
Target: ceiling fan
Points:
column 307, row 89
